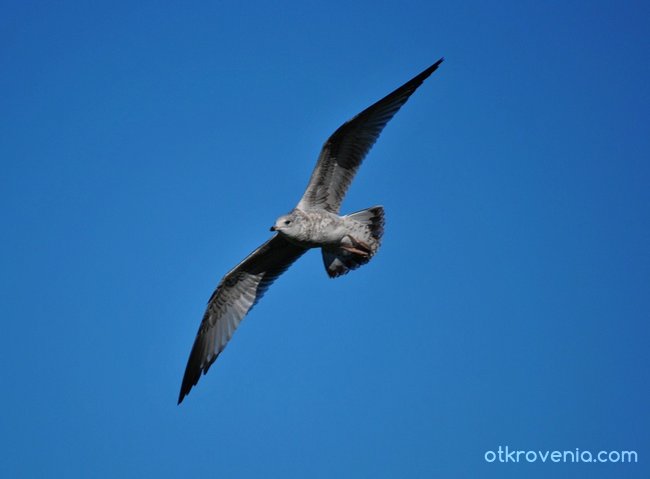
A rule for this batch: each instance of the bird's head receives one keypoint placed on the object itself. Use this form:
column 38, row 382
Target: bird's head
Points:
column 286, row 224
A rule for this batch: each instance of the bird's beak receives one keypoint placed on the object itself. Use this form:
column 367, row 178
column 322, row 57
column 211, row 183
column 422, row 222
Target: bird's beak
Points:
column 272, row 228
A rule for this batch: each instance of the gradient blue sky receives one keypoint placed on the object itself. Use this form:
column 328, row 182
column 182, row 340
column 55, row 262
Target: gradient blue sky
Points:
column 147, row 148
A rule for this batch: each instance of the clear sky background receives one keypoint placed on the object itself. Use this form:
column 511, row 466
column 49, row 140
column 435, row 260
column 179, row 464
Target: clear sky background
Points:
column 146, row 149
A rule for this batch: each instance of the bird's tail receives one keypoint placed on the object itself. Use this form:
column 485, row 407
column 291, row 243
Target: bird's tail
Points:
column 357, row 248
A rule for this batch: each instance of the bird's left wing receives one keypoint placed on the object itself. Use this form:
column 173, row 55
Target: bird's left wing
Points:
column 237, row 293
column 344, row 151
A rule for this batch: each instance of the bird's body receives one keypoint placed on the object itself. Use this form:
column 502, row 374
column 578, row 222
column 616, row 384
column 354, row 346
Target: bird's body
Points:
column 317, row 228
column 346, row 242
column 311, row 229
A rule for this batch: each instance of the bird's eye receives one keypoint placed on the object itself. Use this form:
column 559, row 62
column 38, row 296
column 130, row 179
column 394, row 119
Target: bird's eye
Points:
column 287, row 222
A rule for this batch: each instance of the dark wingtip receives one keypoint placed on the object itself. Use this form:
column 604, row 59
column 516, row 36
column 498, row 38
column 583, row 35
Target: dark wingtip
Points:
column 434, row 67
column 193, row 370
column 415, row 82
column 190, row 378
column 184, row 392
column 189, row 381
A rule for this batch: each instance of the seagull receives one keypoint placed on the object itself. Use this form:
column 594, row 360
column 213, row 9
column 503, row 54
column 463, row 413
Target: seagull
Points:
column 346, row 242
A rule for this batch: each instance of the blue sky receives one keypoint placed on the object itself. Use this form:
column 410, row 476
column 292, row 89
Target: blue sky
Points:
column 146, row 149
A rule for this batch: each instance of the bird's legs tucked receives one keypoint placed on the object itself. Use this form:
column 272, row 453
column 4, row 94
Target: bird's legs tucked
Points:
column 357, row 247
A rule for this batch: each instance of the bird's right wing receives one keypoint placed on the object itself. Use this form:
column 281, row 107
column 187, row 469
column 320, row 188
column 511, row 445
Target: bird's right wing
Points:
column 237, row 293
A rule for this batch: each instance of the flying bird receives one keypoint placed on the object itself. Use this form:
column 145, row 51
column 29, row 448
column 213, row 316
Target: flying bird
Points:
column 346, row 242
